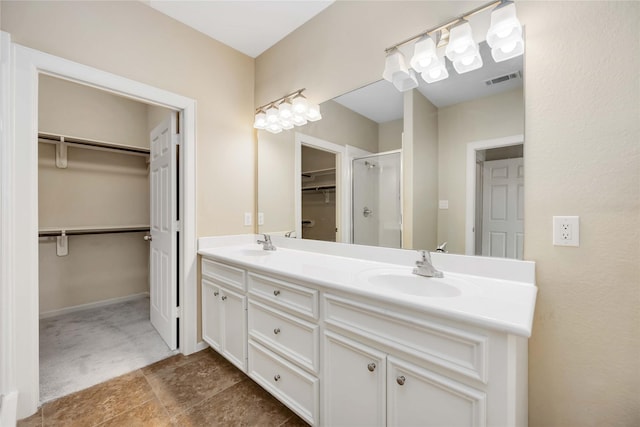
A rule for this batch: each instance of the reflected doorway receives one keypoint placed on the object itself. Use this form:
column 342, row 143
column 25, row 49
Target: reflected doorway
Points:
column 318, row 194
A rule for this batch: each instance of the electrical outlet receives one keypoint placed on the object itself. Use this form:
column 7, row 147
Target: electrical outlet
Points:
column 260, row 218
column 247, row 218
column 566, row 231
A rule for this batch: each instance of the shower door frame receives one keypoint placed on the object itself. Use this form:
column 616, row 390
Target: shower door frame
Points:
column 352, row 219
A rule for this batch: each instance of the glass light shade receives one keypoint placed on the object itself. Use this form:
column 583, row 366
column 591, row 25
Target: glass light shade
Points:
column 461, row 42
column 406, row 82
column 286, row 124
column 505, row 26
column 274, row 127
column 299, row 120
column 260, row 121
column 300, row 104
column 285, row 110
column 395, row 67
column 313, row 114
column 508, row 50
column 436, row 72
column 424, row 54
column 467, row 63
column 272, row 115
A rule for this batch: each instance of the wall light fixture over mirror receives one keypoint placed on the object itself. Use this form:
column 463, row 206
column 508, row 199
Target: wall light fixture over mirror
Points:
column 438, row 163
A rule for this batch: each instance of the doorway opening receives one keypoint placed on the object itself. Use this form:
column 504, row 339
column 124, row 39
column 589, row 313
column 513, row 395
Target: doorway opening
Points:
column 495, row 198
column 95, row 209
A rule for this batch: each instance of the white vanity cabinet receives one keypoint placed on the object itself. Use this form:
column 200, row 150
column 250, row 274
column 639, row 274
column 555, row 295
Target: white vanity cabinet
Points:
column 341, row 358
column 224, row 307
column 284, row 342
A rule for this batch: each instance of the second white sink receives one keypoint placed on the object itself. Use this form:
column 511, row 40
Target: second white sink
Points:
column 405, row 282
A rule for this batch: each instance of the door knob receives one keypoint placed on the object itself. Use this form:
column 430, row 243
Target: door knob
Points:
column 371, row 367
column 148, row 237
column 401, row 379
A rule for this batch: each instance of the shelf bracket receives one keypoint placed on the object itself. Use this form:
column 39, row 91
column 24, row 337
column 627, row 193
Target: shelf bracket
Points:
column 61, row 154
column 62, row 244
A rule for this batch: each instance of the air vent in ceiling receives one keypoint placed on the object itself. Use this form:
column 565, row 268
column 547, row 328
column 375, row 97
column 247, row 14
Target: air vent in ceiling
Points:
column 504, row 78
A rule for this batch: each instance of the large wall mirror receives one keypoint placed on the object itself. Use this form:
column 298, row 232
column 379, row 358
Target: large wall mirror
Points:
column 440, row 163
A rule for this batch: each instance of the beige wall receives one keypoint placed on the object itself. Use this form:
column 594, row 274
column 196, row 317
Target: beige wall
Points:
column 390, row 135
column 98, row 188
column 485, row 118
column 581, row 158
column 420, row 172
column 135, row 41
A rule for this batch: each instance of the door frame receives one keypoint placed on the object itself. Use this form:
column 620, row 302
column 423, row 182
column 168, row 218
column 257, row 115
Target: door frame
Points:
column 472, row 148
column 19, row 334
column 342, row 177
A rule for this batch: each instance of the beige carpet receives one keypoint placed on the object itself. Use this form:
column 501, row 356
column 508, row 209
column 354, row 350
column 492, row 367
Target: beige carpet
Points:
column 84, row 348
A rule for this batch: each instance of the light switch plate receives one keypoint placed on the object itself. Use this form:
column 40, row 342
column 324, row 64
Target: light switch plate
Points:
column 443, row 204
column 260, row 218
column 247, row 218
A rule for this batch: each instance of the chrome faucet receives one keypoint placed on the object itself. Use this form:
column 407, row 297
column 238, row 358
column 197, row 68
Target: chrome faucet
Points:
column 266, row 243
column 424, row 267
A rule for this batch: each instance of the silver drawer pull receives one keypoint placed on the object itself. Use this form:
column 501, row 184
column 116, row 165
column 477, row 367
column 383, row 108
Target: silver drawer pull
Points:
column 276, row 292
column 216, row 293
column 224, row 297
column 371, row 367
column 401, row 379
column 276, row 377
column 276, row 331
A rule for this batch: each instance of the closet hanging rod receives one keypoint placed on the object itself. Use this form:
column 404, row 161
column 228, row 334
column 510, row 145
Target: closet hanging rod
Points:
column 319, row 187
column 50, row 138
column 53, row 232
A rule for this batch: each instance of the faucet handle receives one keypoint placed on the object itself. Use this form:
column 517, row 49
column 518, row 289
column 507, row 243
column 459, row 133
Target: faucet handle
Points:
column 267, row 238
column 425, row 257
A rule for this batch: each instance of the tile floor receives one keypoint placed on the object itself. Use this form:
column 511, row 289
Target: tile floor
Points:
column 202, row 389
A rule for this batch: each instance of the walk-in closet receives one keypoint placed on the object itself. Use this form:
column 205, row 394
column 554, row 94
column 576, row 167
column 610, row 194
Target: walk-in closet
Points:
column 94, row 219
column 318, row 194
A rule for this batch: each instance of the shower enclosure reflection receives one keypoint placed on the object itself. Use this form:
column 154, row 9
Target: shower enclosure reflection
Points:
column 376, row 201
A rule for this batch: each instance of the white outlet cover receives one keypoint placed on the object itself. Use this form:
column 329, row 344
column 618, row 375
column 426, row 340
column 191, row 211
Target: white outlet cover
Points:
column 247, row 218
column 260, row 218
column 443, row 204
column 566, row 231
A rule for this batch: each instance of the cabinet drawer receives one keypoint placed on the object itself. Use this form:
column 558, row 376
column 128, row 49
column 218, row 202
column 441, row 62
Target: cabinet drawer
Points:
column 231, row 276
column 457, row 350
column 293, row 338
column 292, row 297
column 291, row 385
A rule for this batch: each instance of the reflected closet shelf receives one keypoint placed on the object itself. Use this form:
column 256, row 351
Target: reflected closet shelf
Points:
column 76, row 231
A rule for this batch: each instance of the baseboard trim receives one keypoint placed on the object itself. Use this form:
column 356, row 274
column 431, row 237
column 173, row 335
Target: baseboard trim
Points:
column 82, row 307
column 201, row 346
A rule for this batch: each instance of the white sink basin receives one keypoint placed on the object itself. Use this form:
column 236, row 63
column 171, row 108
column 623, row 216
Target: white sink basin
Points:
column 405, row 282
column 254, row 252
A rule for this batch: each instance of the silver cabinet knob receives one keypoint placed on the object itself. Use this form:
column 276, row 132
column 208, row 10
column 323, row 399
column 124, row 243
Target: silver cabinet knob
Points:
column 401, row 379
column 371, row 367
column 276, row 377
column 224, row 297
column 216, row 293
column 148, row 237
column 276, row 292
column 276, row 331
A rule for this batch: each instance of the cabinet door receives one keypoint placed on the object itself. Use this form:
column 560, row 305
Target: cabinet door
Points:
column 418, row 397
column 211, row 315
column 234, row 327
column 353, row 383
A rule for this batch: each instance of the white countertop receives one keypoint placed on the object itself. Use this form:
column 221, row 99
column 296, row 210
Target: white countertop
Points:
column 505, row 303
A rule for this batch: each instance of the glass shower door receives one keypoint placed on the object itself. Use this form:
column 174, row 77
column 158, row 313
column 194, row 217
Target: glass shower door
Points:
column 376, row 200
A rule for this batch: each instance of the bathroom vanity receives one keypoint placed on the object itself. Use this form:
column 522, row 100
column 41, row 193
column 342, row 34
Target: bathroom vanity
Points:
column 347, row 335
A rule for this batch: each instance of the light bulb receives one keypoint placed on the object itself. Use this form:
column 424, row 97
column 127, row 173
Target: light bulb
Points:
column 285, row 110
column 274, row 128
column 285, row 124
column 261, row 120
column 299, row 120
column 314, row 113
column 505, row 32
column 272, row 115
column 300, row 104
column 509, row 47
column 467, row 60
column 435, row 73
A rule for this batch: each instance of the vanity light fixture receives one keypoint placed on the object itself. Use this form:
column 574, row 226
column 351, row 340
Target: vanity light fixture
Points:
column 397, row 72
column 463, row 50
column 286, row 112
column 504, row 37
column 505, row 33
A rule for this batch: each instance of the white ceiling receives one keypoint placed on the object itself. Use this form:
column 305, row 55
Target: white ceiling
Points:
column 248, row 26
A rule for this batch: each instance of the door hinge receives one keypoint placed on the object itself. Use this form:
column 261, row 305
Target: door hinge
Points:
column 177, row 312
column 176, row 139
column 177, row 226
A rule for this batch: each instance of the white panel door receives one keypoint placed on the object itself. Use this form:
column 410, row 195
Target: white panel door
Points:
column 211, row 315
column 234, row 327
column 503, row 208
column 162, row 177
